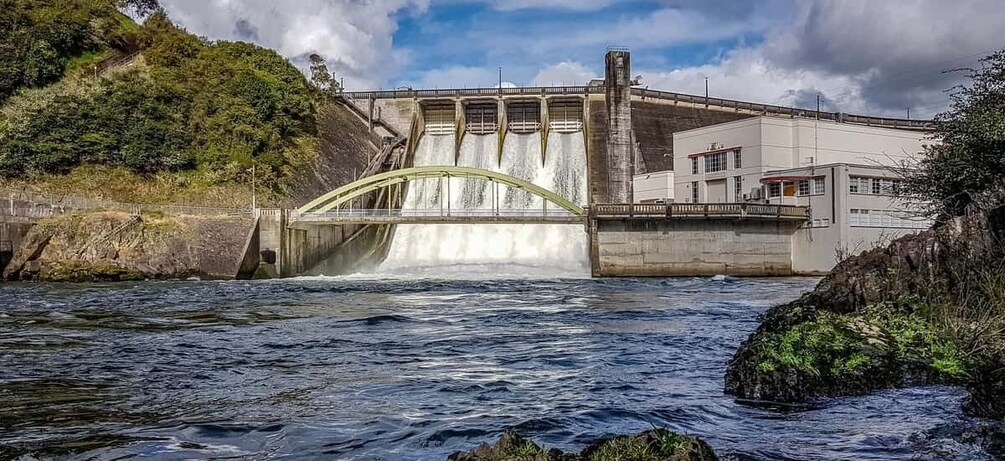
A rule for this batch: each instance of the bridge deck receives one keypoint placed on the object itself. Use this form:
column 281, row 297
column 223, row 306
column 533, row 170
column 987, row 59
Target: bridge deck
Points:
column 673, row 211
column 437, row 216
column 699, row 211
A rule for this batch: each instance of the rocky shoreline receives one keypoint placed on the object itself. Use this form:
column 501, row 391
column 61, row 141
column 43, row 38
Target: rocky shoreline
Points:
column 913, row 313
column 108, row 246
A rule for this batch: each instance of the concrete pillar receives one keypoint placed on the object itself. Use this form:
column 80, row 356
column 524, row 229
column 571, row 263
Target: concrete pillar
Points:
column 503, row 129
column 545, row 129
column 620, row 151
column 460, row 128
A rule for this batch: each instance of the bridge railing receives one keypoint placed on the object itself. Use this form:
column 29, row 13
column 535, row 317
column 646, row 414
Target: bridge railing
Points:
column 427, row 213
column 28, row 204
column 646, row 93
column 684, row 210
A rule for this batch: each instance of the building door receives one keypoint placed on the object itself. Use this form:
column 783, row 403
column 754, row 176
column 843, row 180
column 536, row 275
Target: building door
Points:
column 717, row 191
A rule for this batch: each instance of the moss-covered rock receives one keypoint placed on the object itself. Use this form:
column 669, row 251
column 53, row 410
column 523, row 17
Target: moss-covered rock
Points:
column 510, row 447
column 654, row 445
column 829, row 354
column 927, row 309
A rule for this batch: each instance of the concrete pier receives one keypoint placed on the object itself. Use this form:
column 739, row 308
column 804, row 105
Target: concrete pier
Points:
column 620, row 159
column 692, row 240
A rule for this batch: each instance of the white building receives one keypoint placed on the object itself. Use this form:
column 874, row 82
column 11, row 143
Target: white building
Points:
column 655, row 187
column 845, row 173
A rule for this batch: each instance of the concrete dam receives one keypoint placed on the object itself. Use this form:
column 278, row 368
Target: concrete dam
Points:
column 519, row 149
column 530, row 180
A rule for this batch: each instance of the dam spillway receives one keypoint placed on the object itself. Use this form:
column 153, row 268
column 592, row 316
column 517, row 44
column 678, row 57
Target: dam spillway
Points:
column 515, row 250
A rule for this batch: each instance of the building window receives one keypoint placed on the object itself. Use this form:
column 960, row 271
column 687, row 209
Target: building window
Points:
column 715, row 162
column 695, row 192
column 774, row 190
column 887, row 219
column 874, row 186
column 694, row 165
column 738, row 188
column 737, row 159
column 819, row 186
column 804, row 187
column 822, row 222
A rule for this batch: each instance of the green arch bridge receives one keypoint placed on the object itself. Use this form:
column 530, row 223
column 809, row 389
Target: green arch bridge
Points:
column 335, row 206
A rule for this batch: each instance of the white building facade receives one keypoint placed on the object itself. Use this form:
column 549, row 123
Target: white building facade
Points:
column 655, row 187
column 846, row 175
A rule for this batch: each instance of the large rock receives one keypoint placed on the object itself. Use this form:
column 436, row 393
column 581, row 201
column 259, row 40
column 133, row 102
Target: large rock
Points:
column 880, row 320
column 116, row 246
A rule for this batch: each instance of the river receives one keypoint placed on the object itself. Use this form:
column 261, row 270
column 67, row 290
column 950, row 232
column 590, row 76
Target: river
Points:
column 388, row 368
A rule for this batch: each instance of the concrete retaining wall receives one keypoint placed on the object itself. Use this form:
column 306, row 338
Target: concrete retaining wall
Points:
column 685, row 248
column 312, row 249
column 12, row 234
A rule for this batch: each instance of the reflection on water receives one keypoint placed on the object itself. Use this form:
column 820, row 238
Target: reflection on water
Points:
column 357, row 368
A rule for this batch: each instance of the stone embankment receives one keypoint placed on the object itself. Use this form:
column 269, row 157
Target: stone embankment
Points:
column 114, row 246
column 928, row 309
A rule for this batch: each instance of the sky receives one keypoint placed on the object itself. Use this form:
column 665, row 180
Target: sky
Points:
column 876, row 57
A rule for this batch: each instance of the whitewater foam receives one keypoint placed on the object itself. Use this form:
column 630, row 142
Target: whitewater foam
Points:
column 515, row 250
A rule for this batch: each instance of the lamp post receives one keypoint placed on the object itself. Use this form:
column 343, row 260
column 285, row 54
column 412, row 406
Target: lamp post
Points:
column 254, row 191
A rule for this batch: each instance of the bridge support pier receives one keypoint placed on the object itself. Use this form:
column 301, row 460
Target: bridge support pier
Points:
column 282, row 248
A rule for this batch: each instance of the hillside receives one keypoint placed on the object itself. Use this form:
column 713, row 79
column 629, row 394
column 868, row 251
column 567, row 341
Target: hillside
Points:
column 185, row 120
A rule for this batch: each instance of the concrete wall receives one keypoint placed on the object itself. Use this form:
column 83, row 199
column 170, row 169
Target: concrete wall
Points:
column 14, row 233
column 655, row 122
column 596, row 150
column 346, row 148
column 671, row 248
column 397, row 113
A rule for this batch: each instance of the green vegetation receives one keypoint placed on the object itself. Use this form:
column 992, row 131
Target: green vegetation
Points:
column 965, row 166
column 864, row 346
column 655, row 445
column 215, row 108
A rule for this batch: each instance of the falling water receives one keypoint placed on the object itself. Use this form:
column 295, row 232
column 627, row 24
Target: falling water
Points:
column 506, row 249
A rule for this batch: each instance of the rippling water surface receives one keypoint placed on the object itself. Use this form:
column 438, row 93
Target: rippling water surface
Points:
column 403, row 369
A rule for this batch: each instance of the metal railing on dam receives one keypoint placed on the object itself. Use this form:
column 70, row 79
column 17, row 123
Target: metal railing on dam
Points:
column 699, row 210
column 644, row 93
column 29, row 206
column 438, row 216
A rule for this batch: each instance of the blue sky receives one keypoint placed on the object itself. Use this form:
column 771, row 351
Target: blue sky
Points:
column 873, row 57
column 478, row 35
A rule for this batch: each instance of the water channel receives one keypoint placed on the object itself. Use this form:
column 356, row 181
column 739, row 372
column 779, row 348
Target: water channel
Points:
column 394, row 368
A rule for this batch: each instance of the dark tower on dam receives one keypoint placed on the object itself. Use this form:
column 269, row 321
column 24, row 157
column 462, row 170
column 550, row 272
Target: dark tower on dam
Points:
column 620, row 146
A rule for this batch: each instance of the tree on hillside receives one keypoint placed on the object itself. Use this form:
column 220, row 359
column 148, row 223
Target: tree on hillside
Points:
column 142, row 7
column 215, row 107
column 321, row 78
column 41, row 39
column 166, row 45
column 965, row 166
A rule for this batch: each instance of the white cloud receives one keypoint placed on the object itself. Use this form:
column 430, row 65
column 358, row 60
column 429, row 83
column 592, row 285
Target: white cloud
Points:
column 563, row 74
column 745, row 74
column 355, row 38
